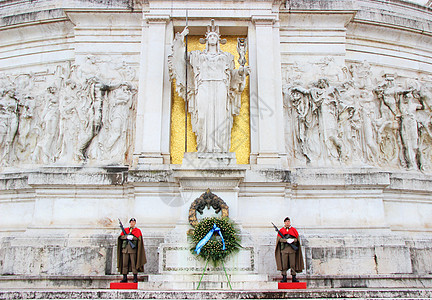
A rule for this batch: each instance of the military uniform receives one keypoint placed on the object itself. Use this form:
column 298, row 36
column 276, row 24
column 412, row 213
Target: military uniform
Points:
column 286, row 257
column 130, row 258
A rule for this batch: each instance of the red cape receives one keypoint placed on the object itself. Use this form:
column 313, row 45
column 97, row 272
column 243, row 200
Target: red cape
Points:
column 292, row 231
column 299, row 263
column 136, row 232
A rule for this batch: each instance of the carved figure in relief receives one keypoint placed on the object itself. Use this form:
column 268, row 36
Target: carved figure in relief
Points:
column 214, row 89
column 8, row 124
column 28, row 128
column 306, row 129
column 326, row 98
column 408, row 105
column 331, row 70
column 48, row 148
column 361, row 74
column 95, row 93
column 424, row 121
column 112, row 141
column 388, row 123
column 70, row 126
column 369, row 130
column 349, row 127
column 349, row 123
column 27, row 132
column 386, row 92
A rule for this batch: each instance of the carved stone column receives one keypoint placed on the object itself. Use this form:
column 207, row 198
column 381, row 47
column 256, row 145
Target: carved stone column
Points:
column 149, row 124
column 268, row 100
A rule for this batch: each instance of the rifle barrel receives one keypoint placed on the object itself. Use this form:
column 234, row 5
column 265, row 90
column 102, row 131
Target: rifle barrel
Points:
column 124, row 232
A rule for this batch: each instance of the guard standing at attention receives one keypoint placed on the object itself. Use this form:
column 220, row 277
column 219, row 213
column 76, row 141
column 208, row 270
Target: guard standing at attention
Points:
column 288, row 252
column 130, row 251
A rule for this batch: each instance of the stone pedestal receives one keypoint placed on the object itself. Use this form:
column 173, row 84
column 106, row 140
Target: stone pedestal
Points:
column 178, row 266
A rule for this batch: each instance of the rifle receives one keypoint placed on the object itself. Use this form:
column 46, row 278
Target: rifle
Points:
column 124, row 232
column 285, row 237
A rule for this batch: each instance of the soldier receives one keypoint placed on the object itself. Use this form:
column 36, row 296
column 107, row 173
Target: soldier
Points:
column 130, row 251
column 288, row 252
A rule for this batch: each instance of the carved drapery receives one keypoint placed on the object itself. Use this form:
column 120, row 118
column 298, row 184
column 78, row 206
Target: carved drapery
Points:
column 355, row 115
column 70, row 115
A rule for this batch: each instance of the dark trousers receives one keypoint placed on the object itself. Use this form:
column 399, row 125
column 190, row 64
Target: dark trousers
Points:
column 129, row 257
column 288, row 260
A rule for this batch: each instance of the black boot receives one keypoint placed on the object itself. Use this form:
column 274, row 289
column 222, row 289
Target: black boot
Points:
column 294, row 279
column 135, row 278
column 284, row 278
column 124, row 278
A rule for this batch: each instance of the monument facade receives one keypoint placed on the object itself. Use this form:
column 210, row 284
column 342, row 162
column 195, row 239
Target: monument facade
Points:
column 316, row 111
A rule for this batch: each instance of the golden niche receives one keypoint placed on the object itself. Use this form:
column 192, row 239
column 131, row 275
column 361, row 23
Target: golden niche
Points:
column 240, row 133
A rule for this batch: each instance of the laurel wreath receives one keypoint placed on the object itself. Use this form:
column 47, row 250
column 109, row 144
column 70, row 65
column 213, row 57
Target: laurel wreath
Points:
column 213, row 249
column 210, row 200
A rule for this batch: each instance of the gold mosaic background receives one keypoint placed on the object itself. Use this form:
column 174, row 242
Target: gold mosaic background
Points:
column 240, row 133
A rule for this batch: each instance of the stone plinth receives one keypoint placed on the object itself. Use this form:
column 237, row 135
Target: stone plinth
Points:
column 177, row 259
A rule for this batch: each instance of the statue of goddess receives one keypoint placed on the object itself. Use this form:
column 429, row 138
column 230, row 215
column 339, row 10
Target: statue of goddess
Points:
column 214, row 88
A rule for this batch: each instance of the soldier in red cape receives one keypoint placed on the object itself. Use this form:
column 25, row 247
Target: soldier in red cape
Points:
column 286, row 255
column 130, row 258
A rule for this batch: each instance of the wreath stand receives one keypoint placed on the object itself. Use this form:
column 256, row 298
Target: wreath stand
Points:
column 202, row 275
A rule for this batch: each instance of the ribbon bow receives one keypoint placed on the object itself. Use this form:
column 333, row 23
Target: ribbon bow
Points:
column 208, row 236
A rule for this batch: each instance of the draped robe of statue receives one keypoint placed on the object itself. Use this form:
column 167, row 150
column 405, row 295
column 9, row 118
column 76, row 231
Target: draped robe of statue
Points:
column 214, row 91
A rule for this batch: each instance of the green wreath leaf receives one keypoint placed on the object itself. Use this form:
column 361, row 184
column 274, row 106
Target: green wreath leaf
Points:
column 212, row 250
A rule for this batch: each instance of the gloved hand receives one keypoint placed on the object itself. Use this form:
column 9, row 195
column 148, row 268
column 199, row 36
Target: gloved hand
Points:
column 130, row 237
column 290, row 241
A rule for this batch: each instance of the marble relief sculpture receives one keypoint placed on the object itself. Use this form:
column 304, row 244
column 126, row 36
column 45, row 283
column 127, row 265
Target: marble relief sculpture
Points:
column 73, row 115
column 358, row 118
column 84, row 113
column 214, row 88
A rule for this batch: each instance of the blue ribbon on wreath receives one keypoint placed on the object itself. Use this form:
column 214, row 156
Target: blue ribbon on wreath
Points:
column 208, row 236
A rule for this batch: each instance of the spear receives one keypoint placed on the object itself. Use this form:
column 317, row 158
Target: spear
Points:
column 186, row 82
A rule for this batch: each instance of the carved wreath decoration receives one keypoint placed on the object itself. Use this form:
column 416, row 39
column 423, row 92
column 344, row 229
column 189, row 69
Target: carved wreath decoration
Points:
column 207, row 199
column 218, row 244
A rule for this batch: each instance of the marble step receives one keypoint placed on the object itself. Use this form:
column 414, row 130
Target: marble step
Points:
column 208, row 282
column 418, row 294
column 313, row 281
